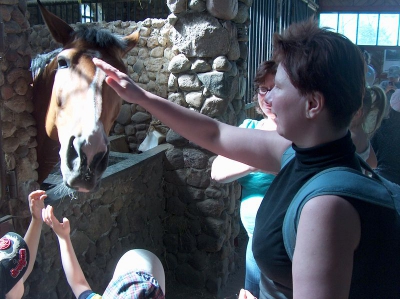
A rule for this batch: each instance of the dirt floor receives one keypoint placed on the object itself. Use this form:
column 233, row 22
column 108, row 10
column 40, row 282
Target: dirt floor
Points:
column 229, row 291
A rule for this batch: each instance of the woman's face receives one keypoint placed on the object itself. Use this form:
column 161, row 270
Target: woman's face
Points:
column 287, row 105
column 268, row 84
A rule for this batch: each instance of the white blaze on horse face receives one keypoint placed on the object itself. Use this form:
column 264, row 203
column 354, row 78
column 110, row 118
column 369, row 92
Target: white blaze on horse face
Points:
column 93, row 131
column 81, row 133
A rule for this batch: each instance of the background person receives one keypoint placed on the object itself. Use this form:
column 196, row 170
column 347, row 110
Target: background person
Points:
column 254, row 182
column 366, row 121
column 139, row 274
column 386, row 142
column 390, row 85
column 370, row 74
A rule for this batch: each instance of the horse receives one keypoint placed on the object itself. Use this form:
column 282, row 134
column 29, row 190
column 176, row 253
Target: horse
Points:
column 74, row 108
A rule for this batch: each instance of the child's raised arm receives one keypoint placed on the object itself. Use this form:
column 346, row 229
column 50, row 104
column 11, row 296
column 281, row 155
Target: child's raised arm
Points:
column 32, row 236
column 72, row 269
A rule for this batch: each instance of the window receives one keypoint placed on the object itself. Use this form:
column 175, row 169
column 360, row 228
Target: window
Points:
column 87, row 15
column 92, row 12
column 372, row 29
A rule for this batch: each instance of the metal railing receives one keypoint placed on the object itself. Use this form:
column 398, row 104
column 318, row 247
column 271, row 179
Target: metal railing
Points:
column 100, row 11
column 261, row 30
column 268, row 17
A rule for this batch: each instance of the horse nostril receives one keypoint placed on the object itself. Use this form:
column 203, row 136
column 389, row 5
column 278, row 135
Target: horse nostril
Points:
column 100, row 162
column 72, row 154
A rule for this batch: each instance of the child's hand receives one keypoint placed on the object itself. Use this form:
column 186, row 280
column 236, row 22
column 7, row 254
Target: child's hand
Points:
column 36, row 203
column 244, row 294
column 63, row 229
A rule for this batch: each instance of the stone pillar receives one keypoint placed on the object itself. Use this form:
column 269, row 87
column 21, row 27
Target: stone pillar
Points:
column 18, row 126
column 207, row 76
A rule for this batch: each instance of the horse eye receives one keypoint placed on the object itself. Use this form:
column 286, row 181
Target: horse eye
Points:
column 62, row 63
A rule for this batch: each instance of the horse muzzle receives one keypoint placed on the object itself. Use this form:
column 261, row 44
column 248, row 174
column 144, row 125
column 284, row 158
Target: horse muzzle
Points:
column 83, row 164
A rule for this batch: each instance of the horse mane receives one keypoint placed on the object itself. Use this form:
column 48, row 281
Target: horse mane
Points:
column 99, row 37
column 39, row 63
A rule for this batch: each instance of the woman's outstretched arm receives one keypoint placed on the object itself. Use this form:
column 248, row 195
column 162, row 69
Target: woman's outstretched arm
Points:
column 257, row 148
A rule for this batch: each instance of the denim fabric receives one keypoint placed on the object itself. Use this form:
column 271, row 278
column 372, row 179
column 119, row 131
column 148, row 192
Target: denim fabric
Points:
column 252, row 280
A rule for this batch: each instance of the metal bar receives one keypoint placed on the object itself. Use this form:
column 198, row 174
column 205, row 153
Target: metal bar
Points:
column 2, row 159
column 358, row 21
column 1, row 37
column 377, row 30
column 398, row 32
column 3, row 172
column 115, row 11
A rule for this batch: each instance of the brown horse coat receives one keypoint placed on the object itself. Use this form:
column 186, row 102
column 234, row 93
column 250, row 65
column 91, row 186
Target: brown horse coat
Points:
column 74, row 108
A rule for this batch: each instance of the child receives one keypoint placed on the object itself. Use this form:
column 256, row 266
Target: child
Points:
column 139, row 274
column 17, row 255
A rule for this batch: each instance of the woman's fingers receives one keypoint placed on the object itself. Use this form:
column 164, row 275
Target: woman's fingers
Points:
column 108, row 69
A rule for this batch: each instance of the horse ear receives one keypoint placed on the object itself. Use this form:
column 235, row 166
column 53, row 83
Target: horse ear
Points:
column 59, row 29
column 132, row 41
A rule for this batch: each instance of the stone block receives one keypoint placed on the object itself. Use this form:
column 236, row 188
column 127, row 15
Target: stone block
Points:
column 118, row 144
column 190, row 276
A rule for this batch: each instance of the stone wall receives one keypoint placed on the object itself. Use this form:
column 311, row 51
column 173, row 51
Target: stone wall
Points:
column 208, row 75
column 197, row 59
column 18, row 126
column 128, row 211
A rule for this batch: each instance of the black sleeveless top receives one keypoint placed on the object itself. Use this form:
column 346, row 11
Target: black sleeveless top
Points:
column 376, row 272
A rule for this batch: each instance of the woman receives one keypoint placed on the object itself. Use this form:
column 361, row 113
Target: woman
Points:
column 254, row 183
column 344, row 247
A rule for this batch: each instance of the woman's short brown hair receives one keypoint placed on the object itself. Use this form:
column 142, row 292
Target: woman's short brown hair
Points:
column 319, row 60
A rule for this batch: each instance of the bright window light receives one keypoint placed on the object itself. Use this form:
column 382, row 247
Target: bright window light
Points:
column 348, row 26
column 329, row 20
column 369, row 29
column 388, row 30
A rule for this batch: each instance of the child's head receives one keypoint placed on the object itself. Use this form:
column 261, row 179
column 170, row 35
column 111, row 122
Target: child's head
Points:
column 134, row 276
column 14, row 261
column 319, row 60
column 374, row 109
column 395, row 100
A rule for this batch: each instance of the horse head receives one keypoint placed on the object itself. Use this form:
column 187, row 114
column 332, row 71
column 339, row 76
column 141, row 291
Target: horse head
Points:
column 73, row 104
